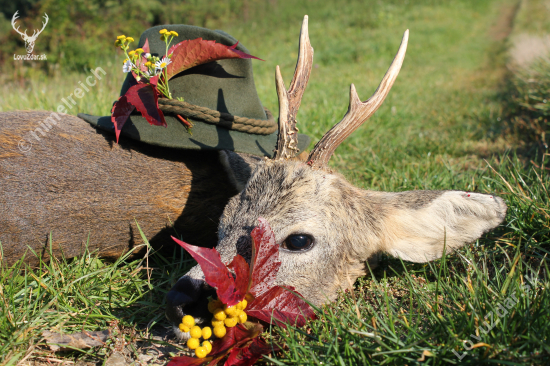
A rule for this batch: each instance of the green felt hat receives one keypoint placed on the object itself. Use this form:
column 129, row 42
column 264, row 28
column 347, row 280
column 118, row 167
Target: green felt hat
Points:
column 223, row 88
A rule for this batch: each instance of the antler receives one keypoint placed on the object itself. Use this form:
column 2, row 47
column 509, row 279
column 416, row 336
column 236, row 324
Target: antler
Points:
column 17, row 29
column 36, row 33
column 289, row 101
column 358, row 112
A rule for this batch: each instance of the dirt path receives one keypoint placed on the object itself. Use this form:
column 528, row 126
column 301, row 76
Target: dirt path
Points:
column 529, row 40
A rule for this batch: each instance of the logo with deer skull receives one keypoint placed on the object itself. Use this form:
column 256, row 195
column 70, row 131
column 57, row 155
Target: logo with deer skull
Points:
column 29, row 40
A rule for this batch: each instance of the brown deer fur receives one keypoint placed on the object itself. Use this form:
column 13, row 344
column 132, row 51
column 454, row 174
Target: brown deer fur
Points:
column 77, row 185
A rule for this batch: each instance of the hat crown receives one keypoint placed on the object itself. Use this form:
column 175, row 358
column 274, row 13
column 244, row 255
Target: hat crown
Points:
column 225, row 86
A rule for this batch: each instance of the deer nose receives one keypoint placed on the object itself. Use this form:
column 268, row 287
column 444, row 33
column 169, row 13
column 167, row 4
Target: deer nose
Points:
column 189, row 296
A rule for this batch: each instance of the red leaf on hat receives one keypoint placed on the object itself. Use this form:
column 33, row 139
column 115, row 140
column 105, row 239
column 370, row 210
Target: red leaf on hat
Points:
column 119, row 114
column 241, row 53
column 187, row 361
column 145, row 98
column 190, row 53
column 145, row 47
column 216, row 273
column 154, row 80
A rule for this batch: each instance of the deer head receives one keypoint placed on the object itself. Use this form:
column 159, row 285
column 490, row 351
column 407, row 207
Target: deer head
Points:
column 327, row 229
column 29, row 40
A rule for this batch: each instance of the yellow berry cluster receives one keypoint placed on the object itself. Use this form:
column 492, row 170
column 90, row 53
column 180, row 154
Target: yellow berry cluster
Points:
column 224, row 316
column 188, row 325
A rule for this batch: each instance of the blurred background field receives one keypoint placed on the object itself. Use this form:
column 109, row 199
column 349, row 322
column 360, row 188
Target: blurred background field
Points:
column 444, row 109
column 472, row 95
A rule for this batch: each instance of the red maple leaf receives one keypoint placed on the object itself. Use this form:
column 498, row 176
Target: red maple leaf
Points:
column 271, row 304
column 217, row 275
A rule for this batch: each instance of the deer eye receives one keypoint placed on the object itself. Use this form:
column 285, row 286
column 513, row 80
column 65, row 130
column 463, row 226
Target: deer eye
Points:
column 298, row 242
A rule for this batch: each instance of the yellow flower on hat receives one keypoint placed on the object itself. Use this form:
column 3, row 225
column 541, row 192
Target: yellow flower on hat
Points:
column 162, row 31
column 175, row 34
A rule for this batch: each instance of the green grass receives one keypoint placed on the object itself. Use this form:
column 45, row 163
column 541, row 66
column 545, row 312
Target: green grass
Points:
column 528, row 107
column 86, row 293
column 453, row 111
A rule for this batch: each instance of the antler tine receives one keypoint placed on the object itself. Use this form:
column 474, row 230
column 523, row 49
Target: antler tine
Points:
column 44, row 24
column 37, row 32
column 289, row 100
column 358, row 112
column 13, row 19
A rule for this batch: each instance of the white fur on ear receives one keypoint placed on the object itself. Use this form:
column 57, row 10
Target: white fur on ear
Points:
column 451, row 220
column 239, row 167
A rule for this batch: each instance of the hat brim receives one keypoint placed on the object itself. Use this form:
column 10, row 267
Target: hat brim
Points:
column 204, row 136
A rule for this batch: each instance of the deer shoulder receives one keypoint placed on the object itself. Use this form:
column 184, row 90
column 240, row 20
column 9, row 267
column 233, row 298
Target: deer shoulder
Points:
column 76, row 187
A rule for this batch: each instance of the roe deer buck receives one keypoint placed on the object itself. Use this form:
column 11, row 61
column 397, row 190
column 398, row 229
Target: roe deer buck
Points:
column 326, row 228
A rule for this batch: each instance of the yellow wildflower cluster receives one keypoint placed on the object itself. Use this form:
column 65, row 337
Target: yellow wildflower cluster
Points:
column 223, row 316
column 135, row 54
column 165, row 34
column 154, row 66
column 122, row 41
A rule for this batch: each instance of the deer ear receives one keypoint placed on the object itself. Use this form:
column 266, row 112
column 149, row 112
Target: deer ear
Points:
column 419, row 224
column 239, row 167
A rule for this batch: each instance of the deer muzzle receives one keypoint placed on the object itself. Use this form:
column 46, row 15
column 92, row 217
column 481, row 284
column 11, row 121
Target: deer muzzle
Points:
column 189, row 296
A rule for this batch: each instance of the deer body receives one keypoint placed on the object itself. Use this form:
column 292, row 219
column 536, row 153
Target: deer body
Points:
column 77, row 185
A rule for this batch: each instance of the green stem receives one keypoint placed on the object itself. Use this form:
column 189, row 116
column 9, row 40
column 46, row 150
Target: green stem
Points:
column 164, row 72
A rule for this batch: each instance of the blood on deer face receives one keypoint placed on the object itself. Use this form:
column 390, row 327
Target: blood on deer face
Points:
column 327, row 229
